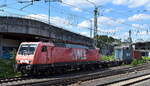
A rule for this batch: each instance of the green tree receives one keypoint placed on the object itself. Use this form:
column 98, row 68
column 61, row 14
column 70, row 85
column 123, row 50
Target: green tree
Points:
column 103, row 40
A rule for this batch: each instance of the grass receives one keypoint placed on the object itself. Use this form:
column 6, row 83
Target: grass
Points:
column 6, row 69
column 136, row 62
column 146, row 58
column 108, row 58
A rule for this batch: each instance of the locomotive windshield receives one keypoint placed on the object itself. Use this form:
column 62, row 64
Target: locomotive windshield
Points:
column 27, row 49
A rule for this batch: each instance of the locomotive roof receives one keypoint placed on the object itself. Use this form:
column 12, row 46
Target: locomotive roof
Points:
column 30, row 42
column 46, row 43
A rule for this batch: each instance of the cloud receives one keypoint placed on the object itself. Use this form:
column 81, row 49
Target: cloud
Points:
column 82, row 3
column 84, row 33
column 140, row 26
column 126, row 34
column 129, row 3
column 59, row 21
column 110, row 30
column 116, row 37
column 44, row 18
column 138, row 17
column 76, row 9
column 148, row 7
column 105, row 22
column 120, row 2
column 85, row 3
column 121, row 20
column 85, row 24
column 76, row 2
column 137, row 3
column 108, row 10
column 107, row 31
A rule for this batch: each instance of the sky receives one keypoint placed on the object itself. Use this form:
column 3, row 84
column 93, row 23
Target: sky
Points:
column 115, row 17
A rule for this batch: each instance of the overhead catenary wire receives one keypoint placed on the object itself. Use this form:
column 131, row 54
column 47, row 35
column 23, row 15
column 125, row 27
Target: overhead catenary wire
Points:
column 87, row 11
column 44, row 16
column 80, row 16
column 23, row 16
column 73, row 6
column 7, row 4
column 30, row 12
column 31, row 17
column 124, row 23
column 137, row 27
column 34, row 13
column 40, row 15
column 129, row 25
column 65, row 11
column 123, row 15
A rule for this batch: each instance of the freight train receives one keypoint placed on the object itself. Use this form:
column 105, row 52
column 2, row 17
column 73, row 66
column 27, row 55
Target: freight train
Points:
column 40, row 57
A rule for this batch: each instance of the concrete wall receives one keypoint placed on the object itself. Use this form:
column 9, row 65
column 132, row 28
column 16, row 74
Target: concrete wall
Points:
column 7, row 46
column 1, row 45
column 10, row 43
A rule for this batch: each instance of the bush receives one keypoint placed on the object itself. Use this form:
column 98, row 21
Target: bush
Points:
column 6, row 69
column 146, row 58
column 7, row 66
column 136, row 62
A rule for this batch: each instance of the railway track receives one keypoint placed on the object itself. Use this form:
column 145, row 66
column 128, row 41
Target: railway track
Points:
column 6, row 80
column 128, row 81
column 70, row 79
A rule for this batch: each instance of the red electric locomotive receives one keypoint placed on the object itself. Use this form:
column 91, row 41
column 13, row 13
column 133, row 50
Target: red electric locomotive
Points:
column 35, row 57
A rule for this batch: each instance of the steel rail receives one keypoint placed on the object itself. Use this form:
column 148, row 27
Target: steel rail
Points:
column 128, row 81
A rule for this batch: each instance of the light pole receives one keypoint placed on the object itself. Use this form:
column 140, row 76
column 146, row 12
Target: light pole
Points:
column 49, row 3
column 95, row 20
column 91, row 28
column 49, row 10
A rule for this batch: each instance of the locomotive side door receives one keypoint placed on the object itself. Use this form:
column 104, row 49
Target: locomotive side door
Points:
column 44, row 53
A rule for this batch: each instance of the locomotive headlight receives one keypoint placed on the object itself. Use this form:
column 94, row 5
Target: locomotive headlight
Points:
column 18, row 61
column 30, row 61
column 24, row 61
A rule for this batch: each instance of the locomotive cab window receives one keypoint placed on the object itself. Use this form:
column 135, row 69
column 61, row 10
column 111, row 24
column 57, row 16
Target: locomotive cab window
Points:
column 27, row 49
column 44, row 49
